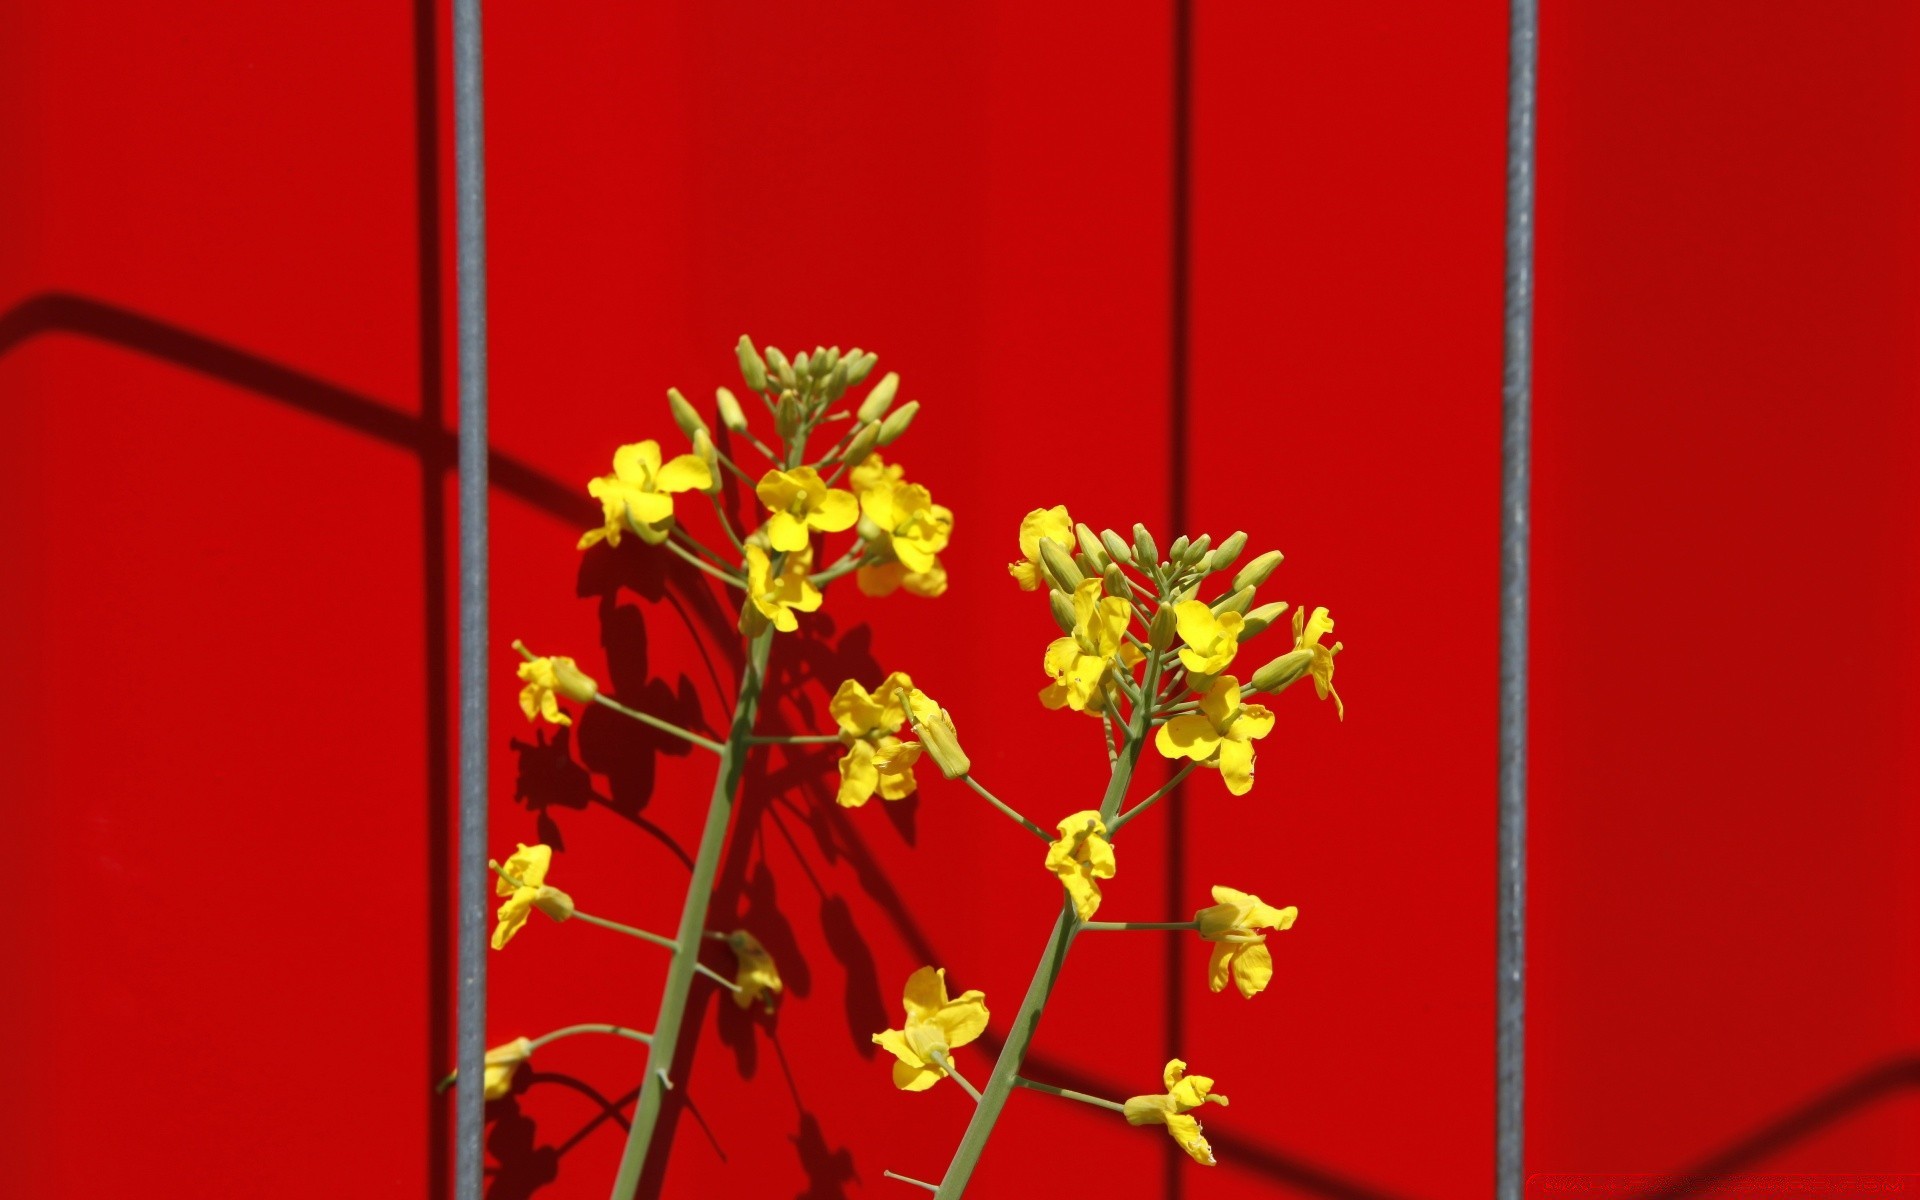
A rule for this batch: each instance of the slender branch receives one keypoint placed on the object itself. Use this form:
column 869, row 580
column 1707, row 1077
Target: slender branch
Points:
column 726, row 522
column 629, row 930
column 1113, row 746
column 656, row 723
column 678, row 533
column 946, row 1064
column 1006, row 808
column 1141, row 807
column 1082, row 1097
column 851, row 560
column 910, row 1179
column 575, row 1030
column 704, row 565
column 717, row 977
column 792, row 739
column 1117, row 926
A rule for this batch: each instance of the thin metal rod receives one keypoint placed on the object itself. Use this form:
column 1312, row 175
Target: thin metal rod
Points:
column 1515, row 536
column 471, row 248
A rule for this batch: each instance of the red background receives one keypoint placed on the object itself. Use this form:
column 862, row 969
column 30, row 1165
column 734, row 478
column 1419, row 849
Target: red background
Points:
column 225, row 311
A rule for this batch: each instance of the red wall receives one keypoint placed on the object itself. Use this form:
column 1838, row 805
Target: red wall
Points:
column 224, row 338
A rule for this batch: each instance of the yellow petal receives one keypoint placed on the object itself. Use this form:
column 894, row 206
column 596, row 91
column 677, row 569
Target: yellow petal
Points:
column 1188, row 735
column 528, row 864
column 637, row 463
column 687, row 473
column 1186, row 1131
column 926, row 993
column 1236, row 766
column 787, row 532
column 963, row 1018
column 1254, row 721
column 836, row 510
column 881, row 580
column 1252, row 969
column 858, row 779
column 1219, row 964
column 1025, row 574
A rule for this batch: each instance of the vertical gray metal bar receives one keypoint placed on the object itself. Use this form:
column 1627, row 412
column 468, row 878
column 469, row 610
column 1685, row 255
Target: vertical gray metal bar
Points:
column 1515, row 533
column 471, row 250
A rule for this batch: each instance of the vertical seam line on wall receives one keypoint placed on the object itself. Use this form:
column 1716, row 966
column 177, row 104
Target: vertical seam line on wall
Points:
column 1180, row 263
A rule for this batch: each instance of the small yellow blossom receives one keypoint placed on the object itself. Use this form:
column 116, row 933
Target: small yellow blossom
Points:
column 1081, row 858
column 528, row 891
column 775, row 598
column 867, row 725
column 883, row 579
column 502, row 1062
column 1220, row 735
column 1080, row 662
column 1210, row 640
column 1040, row 523
column 938, row 738
column 1184, row 1094
column 757, row 977
column 800, row 501
column 915, row 528
column 1320, row 666
column 874, row 472
column 548, row 679
column 639, row 493
column 1232, row 924
column 935, row 1027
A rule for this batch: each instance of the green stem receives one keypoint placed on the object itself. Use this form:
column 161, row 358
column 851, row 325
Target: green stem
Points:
column 1006, row 808
column 575, row 1030
column 910, row 1179
column 704, row 565
column 1113, row 926
column 946, row 1064
column 1026, row 1019
column 852, row 560
column 657, row 723
column 1082, row 1097
column 629, row 930
column 793, row 739
column 693, row 921
column 717, row 977
column 726, row 522
column 1141, row 807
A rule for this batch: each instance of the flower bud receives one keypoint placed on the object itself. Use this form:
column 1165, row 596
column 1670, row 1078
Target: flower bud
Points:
column 703, row 448
column 731, row 414
column 1116, row 546
column 573, row 683
column 553, row 902
column 1261, row 617
column 1062, row 610
column 803, row 365
column 1054, row 558
column 825, row 361
column 753, row 369
column 1196, row 552
column 1228, row 551
column 837, row 381
column 1256, row 572
column 781, row 368
column 1234, row 602
column 1091, row 547
column 1282, row 671
column 862, row 364
column 684, row 414
column 786, row 416
column 1160, row 630
column 1117, row 582
column 1178, row 550
column 862, row 444
column 937, row 734
column 897, row 422
column 1144, row 547
column 1086, row 565
column 880, row 398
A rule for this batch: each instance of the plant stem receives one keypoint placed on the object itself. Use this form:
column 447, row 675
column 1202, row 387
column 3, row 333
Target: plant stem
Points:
column 629, row 930
column 793, row 739
column 693, row 921
column 1111, row 926
column 1141, row 807
column 1051, row 1090
column 946, row 1064
column 703, row 564
column 574, row 1030
column 848, row 562
column 1006, row 808
column 1026, row 1019
column 657, row 723
column 910, row 1179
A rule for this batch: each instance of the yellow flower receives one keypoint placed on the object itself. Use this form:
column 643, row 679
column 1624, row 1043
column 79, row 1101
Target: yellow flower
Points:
column 1210, row 640
column 867, row 725
column 938, row 738
column 801, row 501
column 1320, row 662
column 639, row 493
column 935, row 1027
column 916, row 529
column 1081, row 857
column 757, row 978
column 1231, row 924
column 502, row 1062
column 887, row 577
column 544, row 678
column 1079, row 663
column 775, row 598
column 1184, row 1094
column 874, row 472
column 1220, row 735
column 1040, row 523
column 528, row 867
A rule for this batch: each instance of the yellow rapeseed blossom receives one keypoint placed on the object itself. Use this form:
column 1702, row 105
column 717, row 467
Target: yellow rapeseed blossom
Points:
column 1079, row 663
column 801, row 501
column 757, row 978
column 502, row 1062
column 1220, row 735
column 874, row 472
column 935, row 1027
column 1210, row 640
column 1307, row 632
column 548, row 679
column 1184, row 1094
column 868, row 724
column 775, row 598
column 1040, row 523
column 1232, row 924
column 526, row 892
column 915, row 529
column 883, row 579
column 1081, row 858
column 639, row 493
